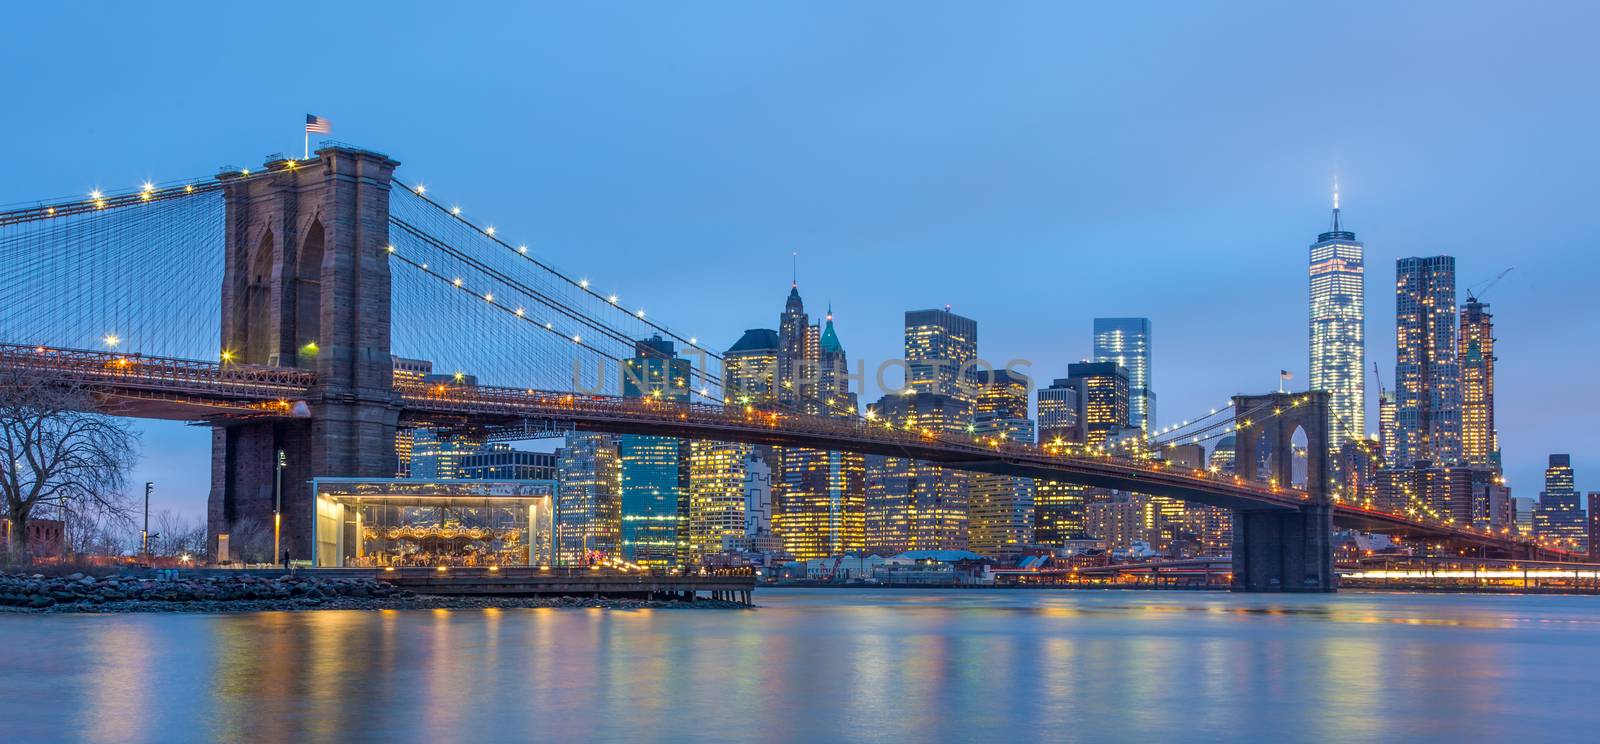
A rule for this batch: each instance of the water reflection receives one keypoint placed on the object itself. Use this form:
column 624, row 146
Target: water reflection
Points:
column 822, row 666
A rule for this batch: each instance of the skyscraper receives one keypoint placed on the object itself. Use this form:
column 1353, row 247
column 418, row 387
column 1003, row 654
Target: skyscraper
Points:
column 718, row 475
column 1475, row 355
column 1058, row 413
column 1000, row 519
column 1387, row 433
column 437, row 455
column 1126, row 341
column 911, row 504
column 750, row 369
column 820, row 505
column 1102, row 399
column 655, row 470
column 1559, row 516
column 1338, row 329
column 588, row 503
column 938, row 346
column 1427, row 375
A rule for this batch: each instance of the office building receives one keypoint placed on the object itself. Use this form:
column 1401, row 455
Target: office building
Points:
column 1427, row 374
column 820, row 506
column 719, row 473
column 1001, row 507
column 1338, row 330
column 1058, row 407
column 588, row 499
column 1126, row 343
column 915, row 505
column 498, row 461
column 1102, row 400
column 1594, row 525
column 1559, row 517
column 655, row 470
column 940, row 348
column 438, row 455
column 750, row 369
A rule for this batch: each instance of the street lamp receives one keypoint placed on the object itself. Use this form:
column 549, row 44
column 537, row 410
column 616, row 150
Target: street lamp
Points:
column 277, row 507
column 144, row 535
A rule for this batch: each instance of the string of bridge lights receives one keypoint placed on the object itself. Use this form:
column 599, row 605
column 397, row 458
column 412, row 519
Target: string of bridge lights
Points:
column 521, row 250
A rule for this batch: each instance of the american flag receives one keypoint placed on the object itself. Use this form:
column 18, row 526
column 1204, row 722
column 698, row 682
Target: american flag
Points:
column 318, row 124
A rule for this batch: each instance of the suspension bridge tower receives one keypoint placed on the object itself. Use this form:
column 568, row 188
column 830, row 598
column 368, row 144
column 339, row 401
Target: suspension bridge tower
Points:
column 306, row 285
column 1283, row 550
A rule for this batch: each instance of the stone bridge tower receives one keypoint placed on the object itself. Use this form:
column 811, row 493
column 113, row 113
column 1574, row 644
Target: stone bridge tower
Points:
column 306, row 284
column 1277, row 550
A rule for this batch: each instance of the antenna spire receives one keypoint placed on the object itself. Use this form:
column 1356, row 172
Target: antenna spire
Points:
column 1336, row 204
column 794, row 269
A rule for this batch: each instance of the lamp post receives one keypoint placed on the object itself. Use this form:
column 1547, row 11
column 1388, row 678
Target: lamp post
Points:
column 144, row 534
column 277, row 507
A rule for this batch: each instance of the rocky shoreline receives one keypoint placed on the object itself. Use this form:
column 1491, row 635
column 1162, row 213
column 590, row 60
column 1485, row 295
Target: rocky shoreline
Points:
column 78, row 593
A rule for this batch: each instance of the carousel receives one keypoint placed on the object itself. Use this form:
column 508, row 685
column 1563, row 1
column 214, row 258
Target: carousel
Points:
column 401, row 522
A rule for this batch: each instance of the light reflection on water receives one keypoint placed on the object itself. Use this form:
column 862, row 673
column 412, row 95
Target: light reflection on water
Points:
column 824, row 666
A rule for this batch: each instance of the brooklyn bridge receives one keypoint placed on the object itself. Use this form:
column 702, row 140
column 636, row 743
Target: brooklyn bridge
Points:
column 269, row 304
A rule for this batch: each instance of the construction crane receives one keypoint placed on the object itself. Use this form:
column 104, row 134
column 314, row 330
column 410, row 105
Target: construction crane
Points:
column 1473, row 295
column 1379, row 376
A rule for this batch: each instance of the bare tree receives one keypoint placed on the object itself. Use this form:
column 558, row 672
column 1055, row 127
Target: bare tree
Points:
column 57, row 450
column 179, row 536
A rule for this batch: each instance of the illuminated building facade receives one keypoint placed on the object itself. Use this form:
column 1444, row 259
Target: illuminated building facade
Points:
column 940, row 346
column 1475, row 352
column 1427, row 375
column 750, row 369
column 655, row 470
column 1058, row 413
column 914, row 505
column 1594, row 525
column 407, row 371
column 1102, row 399
column 1338, row 303
column 1435, row 492
column 588, row 498
column 1559, row 517
column 498, row 461
column 437, row 455
column 1126, row 343
column 1001, row 507
column 718, row 472
column 821, row 496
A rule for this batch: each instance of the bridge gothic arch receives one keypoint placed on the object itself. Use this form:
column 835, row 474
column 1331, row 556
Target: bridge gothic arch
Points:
column 1283, row 550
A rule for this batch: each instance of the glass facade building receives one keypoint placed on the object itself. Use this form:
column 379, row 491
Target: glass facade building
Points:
column 588, row 499
column 939, row 345
column 1427, row 374
column 911, row 504
column 1338, row 330
column 1126, row 342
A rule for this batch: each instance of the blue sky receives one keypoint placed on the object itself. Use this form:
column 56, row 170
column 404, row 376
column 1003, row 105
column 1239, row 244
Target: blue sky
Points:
column 1031, row 164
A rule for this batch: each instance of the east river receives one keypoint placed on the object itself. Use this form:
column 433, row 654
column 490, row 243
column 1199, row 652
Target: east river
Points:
column 823, row 666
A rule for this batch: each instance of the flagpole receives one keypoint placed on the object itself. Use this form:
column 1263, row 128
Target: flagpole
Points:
column 306, row 154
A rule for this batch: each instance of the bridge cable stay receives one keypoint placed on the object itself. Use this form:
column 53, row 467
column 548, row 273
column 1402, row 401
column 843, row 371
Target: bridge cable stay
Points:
column 139, row 278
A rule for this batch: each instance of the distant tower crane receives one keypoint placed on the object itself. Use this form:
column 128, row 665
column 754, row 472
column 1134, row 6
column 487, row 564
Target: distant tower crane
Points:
column 1473, row 295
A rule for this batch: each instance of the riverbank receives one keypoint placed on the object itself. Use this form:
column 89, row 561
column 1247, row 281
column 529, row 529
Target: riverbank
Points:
column 78, row 593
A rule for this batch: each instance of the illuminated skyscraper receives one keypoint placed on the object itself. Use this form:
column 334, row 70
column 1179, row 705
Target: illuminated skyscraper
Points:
column 1475, row 352
column 655, row 470
column 750, row 369
column 1126, row 342
column 939, row 345
column 1559, row 516
column 820, row 501
column 1338, row 330
column 588, row 498
column 1102, row 399
column 1427, row 375
column 1000, row 520
column 1058, row 413
column 915, row 505
column 437, row 455
column 718, row 472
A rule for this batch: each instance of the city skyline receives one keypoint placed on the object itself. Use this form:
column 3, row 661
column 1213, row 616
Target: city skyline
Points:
column 1257, row 217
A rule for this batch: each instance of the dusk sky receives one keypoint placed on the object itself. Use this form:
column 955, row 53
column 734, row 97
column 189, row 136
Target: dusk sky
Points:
column 1031, row 164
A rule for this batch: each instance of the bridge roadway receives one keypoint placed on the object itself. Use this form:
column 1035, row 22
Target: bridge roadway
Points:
column 182, row 389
